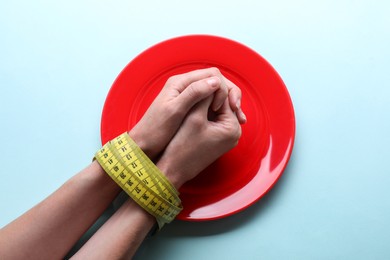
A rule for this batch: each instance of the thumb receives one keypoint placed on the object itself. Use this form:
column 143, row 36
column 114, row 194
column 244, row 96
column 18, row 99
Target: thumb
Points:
column 201, row 112
column 203, row 106
column 196, row 92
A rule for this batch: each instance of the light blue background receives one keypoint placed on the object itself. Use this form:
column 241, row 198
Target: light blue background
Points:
column 58, row 60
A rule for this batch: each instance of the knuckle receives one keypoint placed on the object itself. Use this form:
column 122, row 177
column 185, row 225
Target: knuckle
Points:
column 225, row 90
column 173, row 78
column 215, row 71
column 238, row 133
column 173, row 81
column 237, row 90
column 173, row 111
column 234, row 135
column 196, row 121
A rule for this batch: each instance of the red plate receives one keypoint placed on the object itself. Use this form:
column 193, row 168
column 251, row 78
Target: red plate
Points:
column 246, row 173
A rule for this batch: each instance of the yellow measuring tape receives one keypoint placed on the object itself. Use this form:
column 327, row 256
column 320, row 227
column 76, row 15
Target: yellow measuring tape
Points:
column 139, row 177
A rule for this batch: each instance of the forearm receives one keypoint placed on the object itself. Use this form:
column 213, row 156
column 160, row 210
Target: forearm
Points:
column 120, row 236
column 123, row 233
column 53, row 226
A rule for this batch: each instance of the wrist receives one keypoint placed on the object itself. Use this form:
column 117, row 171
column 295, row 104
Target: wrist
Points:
column 170, row 173
column 139, row 177
column 143, row 142
column 99, row 178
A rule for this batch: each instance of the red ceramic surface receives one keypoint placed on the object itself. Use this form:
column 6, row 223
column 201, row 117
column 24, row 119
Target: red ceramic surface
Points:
column 246, row 173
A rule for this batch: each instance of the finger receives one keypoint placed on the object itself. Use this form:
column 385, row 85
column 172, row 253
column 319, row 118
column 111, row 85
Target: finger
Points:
column 235, row 96
column 204, row 106
column 225, row 109
column 228, row 118
column 196, row 92
column 241, row 116
column 238, row 110
column 225, row 114
column 199, row 114
column 220, row 96
column 182, row 81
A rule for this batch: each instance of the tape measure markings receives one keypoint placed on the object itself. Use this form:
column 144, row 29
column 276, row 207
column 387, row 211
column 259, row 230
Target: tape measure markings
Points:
column 135, row 165
column 139, row 163
column 162, row 181
column 151, row 200
column 131, row 169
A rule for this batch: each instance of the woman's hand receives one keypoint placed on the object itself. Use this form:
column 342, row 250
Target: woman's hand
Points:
column 203, row 137
column 180, row 93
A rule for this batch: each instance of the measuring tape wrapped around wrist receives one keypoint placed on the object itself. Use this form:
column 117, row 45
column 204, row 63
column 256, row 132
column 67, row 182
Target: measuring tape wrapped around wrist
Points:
column 139, row 177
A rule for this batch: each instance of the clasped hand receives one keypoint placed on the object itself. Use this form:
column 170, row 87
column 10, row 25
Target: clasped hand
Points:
column 196, row 114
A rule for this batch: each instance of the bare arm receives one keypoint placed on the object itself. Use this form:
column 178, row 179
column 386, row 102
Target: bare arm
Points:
column 121, row 235
column 53, row 226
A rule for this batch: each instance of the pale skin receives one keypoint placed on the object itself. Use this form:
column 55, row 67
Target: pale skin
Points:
column 51, row 228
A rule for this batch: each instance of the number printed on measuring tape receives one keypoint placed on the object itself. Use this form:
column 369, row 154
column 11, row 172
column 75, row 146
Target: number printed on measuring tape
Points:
column 134, row 158
column 164, row 211
column 137, row 175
